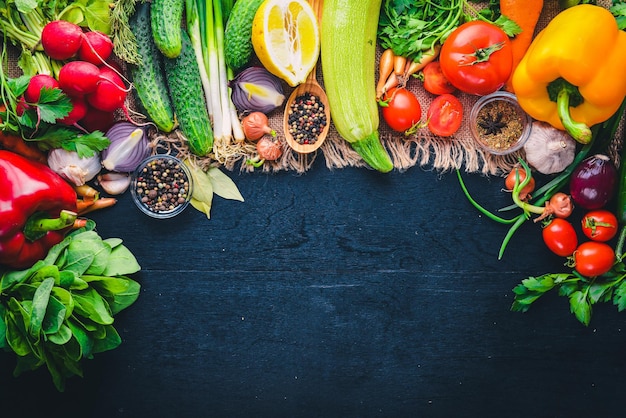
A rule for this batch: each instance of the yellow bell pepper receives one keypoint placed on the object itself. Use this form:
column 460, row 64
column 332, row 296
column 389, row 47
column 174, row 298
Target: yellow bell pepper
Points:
column 573, row 75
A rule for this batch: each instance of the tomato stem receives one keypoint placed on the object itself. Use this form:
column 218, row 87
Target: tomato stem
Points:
column 483, row 54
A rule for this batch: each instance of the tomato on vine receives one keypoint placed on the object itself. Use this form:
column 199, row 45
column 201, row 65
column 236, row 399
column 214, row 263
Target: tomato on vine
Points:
column 593, row 258
column 401, row 109
column 599, row 225
column 560, row 237
column 477, row 58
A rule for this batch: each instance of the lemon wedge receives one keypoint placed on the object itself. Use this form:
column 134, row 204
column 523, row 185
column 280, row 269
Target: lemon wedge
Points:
column 285, row 37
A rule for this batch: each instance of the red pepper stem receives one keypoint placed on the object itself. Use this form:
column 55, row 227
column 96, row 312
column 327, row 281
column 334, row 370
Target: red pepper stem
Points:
column 578, row 130
column 38, row 224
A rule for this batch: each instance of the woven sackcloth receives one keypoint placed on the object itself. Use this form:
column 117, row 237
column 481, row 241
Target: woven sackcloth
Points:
column 421, row 149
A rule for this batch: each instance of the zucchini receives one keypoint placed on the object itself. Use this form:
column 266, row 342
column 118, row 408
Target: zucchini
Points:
column 185, row 85
column 148, row 77
column 348, row 50
column 238, row 33
column 166, row 21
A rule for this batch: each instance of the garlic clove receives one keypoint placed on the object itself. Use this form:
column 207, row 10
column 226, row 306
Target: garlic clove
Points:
column 114, row 183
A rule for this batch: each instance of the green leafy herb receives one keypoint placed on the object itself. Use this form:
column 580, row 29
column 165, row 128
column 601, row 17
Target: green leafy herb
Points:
column 582, row 292
column 412, row 27
column 618, row 9
column 61, row 310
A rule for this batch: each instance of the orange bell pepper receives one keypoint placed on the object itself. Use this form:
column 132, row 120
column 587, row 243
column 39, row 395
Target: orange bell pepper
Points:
column 573, row 74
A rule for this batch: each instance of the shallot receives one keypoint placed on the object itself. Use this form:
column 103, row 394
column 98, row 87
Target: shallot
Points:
column 255, row 125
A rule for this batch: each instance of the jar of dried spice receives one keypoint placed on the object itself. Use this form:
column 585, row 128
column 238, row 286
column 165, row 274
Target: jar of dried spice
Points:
column 498, row 123
column 161, row 186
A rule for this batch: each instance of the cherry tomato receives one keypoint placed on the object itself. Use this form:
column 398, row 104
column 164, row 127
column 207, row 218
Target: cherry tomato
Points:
column 445, row 115
column 401, row 109
column 593, row 258
column 476, row 58
column 560, row 237
column 434, row 80
column 599, row 225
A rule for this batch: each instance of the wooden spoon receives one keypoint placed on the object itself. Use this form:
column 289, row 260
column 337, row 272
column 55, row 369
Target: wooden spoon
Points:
column 311, row 86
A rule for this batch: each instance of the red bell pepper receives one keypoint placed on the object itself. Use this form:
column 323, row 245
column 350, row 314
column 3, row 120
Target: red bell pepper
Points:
column 37, row 207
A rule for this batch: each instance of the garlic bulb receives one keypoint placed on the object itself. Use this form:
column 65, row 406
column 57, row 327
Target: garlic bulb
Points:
column 73, row 168
column 114, row 183
column 549, row 150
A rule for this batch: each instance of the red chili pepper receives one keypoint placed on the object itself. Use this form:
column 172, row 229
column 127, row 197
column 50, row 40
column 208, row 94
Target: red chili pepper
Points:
column 37, row 207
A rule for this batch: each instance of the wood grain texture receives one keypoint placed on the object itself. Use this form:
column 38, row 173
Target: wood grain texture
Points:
column 338, row 294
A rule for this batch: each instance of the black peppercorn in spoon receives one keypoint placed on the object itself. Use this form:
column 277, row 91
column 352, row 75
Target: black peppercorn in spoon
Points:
column 306, row 122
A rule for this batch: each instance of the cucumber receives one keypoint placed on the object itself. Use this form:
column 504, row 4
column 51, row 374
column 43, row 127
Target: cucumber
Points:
column 348, row 50
column 149, row 77
column 185, row 86
column 166, row 21
column 238, row 33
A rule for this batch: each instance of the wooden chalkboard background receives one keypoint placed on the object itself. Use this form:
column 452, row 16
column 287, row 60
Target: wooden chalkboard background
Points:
column 342, row 293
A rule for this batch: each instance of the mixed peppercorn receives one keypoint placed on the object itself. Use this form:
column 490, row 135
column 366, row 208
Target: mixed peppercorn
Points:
column 307, row 118
column 162, row 185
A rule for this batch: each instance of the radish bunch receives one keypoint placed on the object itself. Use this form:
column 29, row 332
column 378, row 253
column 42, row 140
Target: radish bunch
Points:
column 94, row 86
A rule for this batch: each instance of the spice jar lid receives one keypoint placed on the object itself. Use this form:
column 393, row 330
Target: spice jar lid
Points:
column 161, row 186
column 499, row 124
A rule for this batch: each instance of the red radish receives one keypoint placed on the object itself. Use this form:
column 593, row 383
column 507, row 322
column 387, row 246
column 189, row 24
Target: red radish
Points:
column 22, row 106
column 61, row 40
column 110, row 93
column 79, row 110
column 78, row 78
column 97, row 120
column 96, row 48
column 36, row 83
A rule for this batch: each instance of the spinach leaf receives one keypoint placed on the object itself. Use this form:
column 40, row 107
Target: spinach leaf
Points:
column 39, row 306
column 121, row 262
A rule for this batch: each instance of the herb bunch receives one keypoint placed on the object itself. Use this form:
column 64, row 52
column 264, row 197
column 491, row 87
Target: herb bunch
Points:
column 581, row 291
column 60, row 311
column 410, row 27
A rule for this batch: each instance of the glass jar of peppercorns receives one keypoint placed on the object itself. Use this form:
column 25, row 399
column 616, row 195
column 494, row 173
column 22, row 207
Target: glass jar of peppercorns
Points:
column 161, row 186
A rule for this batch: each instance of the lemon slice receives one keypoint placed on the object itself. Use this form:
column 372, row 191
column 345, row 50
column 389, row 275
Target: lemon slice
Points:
column 285, row 37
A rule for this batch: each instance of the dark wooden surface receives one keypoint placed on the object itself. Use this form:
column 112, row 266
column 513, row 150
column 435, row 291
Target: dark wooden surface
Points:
column 338, row 294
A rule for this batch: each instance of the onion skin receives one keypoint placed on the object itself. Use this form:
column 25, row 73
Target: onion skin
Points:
column 593, row 182
column 268, row 93
column 255, row 125
column 126, row 151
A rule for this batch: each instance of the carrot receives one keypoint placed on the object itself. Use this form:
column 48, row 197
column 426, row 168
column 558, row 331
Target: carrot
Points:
column 17, row 145
column 385, row 67
column 526, row 15
column 103, row 202
column 414, row 66
column 399, row 63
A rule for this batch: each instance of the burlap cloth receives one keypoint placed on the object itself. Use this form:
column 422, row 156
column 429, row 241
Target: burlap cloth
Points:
column 421, row 149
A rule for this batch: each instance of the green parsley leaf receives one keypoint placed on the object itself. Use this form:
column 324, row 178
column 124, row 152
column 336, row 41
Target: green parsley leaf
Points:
column 580, row 306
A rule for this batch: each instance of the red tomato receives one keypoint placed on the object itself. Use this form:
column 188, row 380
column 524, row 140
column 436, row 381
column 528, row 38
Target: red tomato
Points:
column 599, row 225
column 401, row 109
column 445, row 115
column 476, row 58
column 593, row 258
column 560, row 237
column 434, row 80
